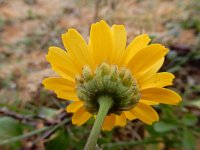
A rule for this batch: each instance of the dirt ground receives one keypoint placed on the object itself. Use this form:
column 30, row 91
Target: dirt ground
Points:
column 29, row 27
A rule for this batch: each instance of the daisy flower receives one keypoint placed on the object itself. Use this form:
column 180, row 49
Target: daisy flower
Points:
column 105, row 69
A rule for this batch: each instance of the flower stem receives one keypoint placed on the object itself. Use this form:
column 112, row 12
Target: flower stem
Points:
column 105, row 103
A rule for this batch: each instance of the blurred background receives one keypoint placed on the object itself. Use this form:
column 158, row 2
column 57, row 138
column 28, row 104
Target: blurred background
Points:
column 32, row 118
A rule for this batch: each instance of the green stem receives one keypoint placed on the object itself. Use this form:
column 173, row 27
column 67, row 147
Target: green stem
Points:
column 105, row 103
column 18, row 138
column 129, row 143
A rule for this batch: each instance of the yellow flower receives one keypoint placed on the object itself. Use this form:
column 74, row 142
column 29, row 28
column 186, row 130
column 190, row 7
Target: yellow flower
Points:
column 108, row 45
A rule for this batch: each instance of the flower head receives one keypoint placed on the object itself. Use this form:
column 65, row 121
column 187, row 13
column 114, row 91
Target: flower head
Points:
column 106, row 67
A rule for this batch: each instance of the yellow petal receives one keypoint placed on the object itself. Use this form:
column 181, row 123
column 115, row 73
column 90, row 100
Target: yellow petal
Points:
column 158, row 80
column 61, row 63
column 67, row 95
column 120, row 120
column 109, row 122
column 148, row 102
column 149, row 73
column 146, row 58
column 161, row 95
column 101, row 42
column 64, row 88
column 119, row 41
column 77, row 48
column 134, row 47
column 129, row 115
column 56, row 83
column 80, row 116
column 145, row 113
column 74, row 106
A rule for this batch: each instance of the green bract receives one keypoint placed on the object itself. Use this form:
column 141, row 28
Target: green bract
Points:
column 111, row 81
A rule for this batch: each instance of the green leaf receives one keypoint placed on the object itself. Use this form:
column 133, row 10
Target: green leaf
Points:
column 164, row 126
column 48, row 112
column 189, row 141
column 9, row 128
column 61, row 141
column 190, row 119
column 196, row 103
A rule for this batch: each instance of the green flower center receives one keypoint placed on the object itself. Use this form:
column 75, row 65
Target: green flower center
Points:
column 107, row 80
